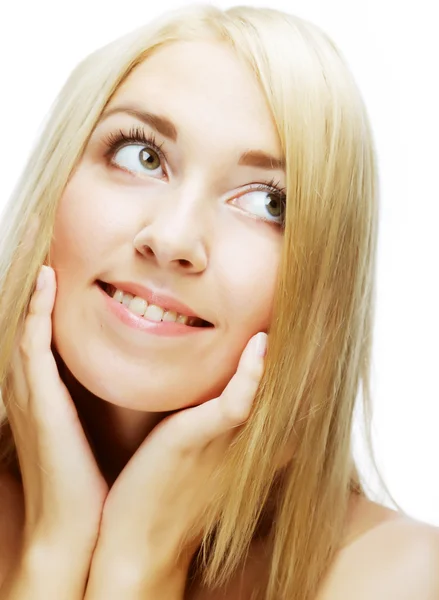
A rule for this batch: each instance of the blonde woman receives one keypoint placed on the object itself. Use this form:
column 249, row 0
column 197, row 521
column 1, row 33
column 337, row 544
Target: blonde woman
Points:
column 202, row 182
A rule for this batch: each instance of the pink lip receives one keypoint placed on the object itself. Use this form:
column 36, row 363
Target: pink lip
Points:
column 163, row 328
column 166, row 302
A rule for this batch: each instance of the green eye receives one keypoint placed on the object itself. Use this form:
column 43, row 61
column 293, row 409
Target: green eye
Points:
column 274, row 205
column 265, row 203
column 149, row 159
column 147, row 153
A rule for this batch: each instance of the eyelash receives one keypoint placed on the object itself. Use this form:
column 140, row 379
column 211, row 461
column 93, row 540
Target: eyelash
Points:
column 115, row 141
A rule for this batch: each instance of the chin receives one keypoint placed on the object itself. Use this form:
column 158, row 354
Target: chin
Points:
column 138, row 388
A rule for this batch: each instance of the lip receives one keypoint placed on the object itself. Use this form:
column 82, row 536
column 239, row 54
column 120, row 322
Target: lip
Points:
column 140, row 324
column 153, row 297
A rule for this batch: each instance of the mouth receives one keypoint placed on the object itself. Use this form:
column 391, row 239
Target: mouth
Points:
column 149, row 311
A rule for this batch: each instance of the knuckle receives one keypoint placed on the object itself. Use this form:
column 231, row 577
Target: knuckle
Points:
column 237, row 417
column 27, row 343
column 176, row 438
column 253, row 372
column 181, row 444
column 25, row 347
column 236, row 411
column 237, row 407
column 33, row 307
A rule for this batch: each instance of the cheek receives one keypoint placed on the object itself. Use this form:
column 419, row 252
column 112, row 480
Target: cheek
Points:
column 72, row 243
column 247, row 278
column 85, row 228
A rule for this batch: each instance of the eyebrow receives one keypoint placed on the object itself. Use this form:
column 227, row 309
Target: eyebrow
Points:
column 161, row 124
column 250, row 158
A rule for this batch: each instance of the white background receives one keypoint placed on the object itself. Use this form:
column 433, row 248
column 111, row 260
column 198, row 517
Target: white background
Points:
column 392, row 47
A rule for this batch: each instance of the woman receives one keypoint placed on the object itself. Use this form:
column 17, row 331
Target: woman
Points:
column 202, row 182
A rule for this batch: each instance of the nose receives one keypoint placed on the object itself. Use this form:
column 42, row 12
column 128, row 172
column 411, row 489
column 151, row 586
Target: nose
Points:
column 174, row 238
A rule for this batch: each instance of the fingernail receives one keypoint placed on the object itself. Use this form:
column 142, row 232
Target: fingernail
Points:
column 41, row 281
column 261, row 344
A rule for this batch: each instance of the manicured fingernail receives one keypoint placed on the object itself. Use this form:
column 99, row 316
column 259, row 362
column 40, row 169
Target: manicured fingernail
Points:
column 261, row 344
column 41, row 281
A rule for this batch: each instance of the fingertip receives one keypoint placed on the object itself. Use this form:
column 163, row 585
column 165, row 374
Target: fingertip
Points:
column 46, row 281
column 42, row 279
column 256, row 348
column 260, row 344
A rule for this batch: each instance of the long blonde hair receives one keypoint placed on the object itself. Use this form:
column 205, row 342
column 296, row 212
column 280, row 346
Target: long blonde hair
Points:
column 320, row 339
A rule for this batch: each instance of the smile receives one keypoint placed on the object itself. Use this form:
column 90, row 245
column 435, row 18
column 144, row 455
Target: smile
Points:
column 151, row 312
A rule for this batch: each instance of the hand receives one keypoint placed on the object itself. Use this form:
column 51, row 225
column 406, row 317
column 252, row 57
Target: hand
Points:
column 64, row 491
column 158, row 500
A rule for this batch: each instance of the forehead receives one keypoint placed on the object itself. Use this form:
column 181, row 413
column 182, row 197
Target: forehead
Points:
column 202, row 86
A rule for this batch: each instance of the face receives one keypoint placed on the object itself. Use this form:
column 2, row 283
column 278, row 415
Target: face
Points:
column 187, row 211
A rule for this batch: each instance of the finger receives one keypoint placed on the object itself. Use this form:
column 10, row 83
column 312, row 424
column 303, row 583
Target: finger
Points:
column 35, row 349
column 34, row 338
column 47, row 389
column 45, row 398
column 17, row 371
column 201, row 424
column 37, row 333
column 19, row 399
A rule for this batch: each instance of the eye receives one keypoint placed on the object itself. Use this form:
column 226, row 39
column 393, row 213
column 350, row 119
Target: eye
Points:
column 137, row 149
column 130, row 157
column 265, row 201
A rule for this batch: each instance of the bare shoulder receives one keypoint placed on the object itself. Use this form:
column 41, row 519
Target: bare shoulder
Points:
column 397, row 557
column 11, row 521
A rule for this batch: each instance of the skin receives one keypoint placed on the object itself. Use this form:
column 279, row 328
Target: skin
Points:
column 181, row 229
column 181, row 234
column 159, row 413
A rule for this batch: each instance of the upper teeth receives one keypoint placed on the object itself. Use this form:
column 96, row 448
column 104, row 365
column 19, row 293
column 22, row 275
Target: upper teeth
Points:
column 152, row 312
